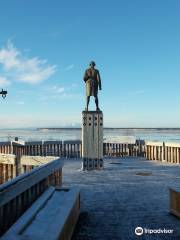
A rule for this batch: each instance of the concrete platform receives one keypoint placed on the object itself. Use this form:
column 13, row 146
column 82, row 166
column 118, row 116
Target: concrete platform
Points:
column 128, row 193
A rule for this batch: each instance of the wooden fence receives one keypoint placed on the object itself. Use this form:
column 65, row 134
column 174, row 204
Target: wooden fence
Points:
column 7, row 167
column 69, row 149
column 169, row 152
column 120, row 149
column 161, row 151
column 6, row 147
column 18, row 194
column 43, row 148
column 12, row 154
column 11, row 167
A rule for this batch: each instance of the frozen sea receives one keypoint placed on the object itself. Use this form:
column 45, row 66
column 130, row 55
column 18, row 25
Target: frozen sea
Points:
column 113, row 134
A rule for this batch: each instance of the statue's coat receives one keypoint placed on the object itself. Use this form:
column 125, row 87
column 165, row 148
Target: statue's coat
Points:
column 93, row 81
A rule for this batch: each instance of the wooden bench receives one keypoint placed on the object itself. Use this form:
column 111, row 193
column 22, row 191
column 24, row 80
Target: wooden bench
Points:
column 52, row 216
column 17, row 195
column 175, row 202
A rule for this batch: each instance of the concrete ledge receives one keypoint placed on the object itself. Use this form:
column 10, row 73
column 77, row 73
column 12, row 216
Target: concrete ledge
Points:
column 52, row 216
column 36, row 160
column 7, row 158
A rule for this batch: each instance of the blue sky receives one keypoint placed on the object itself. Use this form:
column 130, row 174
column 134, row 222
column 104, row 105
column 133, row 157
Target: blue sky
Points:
column 45, row 46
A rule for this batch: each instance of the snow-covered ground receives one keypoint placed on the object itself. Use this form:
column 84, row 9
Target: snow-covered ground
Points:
column 118, row 199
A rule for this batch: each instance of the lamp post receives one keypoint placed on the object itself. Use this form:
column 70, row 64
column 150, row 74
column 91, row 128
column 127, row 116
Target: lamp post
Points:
column 3, row 93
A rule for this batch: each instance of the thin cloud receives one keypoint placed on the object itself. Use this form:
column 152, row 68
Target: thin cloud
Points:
column 58, row 92
column 4, row 82
column 137, row 92
column 57, row 89
column 68, row 68
column 67, row 96
column 23, row 69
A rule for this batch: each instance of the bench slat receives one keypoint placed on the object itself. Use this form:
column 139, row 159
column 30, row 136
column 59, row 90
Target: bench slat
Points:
column 10, row 190
column 52, row 216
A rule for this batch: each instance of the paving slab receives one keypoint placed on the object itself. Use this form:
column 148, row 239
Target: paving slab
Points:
column 130, row 192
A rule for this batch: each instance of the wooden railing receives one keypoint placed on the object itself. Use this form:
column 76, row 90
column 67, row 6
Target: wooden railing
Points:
column 43, row 148
column 69, row 149
column 161, row 151
column 19, row 193
column 169, row 152
column 12, row 152
column 120, row 149
column 6, row 147
column 7, row 167
column 13, row 155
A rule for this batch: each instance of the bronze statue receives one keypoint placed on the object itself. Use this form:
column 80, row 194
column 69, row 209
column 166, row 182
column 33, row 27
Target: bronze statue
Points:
column 93, row 81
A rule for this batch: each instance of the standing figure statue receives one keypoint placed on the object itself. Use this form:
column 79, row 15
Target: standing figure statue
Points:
column 93, row 81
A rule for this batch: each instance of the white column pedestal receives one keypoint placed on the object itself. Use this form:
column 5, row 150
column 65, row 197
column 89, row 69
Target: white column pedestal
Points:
column 92, row 140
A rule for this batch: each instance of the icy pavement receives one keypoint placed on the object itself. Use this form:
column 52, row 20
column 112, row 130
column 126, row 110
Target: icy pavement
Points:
column 116, row 200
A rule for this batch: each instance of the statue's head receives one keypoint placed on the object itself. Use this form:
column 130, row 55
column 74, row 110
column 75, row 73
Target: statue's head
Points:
column 92, row 64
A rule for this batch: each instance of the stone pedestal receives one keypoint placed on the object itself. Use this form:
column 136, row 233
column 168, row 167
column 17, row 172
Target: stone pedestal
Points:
column 92, row 140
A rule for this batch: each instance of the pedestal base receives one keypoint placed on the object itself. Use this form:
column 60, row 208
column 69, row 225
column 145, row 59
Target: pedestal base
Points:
column 92, row 140
column 92, row 164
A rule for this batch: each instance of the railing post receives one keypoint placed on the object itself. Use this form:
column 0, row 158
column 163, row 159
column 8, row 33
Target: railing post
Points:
column 163, row 151
column 178, row 155
column 17, row 151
